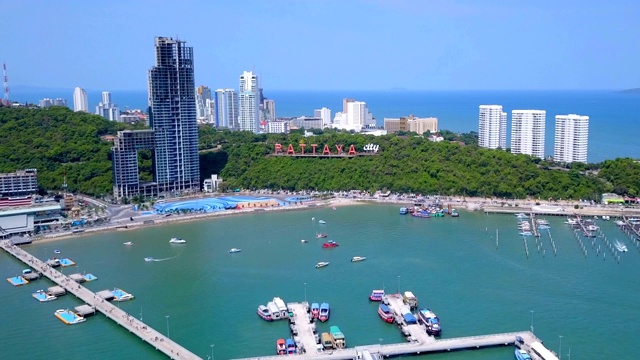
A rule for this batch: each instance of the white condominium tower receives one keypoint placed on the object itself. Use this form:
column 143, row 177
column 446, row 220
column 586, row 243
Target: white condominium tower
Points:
column 80, row 100
column 324, row 114
column 527, row 132
column 572, row 135
column 106, row 109
column 227, row 108
column 249, row 103
column 492, row 127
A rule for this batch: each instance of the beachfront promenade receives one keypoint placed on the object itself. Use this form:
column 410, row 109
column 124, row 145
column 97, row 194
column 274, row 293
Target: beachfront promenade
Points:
column 159, row 341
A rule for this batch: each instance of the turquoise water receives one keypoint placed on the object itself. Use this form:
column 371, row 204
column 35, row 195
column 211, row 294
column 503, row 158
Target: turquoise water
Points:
column 451, row 264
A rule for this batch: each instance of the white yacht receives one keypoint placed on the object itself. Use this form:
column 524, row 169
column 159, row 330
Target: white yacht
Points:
column 358, row 258
column 322, row 264
column 177, row 241
column 234, row 250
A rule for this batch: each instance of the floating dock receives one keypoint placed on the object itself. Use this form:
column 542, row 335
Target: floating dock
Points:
column 121, row 295
column 66, row 262
column 17, row 281
column 89, row 277
column 154, row 338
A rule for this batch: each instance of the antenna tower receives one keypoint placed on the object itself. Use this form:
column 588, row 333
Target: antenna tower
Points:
column 5, row 80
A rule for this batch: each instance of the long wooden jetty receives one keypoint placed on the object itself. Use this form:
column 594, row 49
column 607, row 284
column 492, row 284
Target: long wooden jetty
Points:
column 159, row 341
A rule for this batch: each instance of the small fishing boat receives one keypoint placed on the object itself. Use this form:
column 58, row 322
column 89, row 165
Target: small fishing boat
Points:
column 315, row 310
column 235, row 250
column 177, row 241
column 149, row 258
column 281, row 348
column 128, row 243
column 322, row 264
column 358, row 258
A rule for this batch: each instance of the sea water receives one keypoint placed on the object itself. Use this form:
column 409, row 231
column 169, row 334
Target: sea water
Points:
column 203, row 295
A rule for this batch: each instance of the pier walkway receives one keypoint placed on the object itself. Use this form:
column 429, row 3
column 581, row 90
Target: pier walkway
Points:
column 159, row 341
column 304, row 326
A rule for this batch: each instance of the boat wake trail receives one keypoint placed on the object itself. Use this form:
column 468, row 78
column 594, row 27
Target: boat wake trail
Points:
column 169, row 258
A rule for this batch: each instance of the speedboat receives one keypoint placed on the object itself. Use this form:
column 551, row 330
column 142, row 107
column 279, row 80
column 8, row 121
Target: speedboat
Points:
column 385, row 313
column 42, row 296
column 315, row 310
column 324, row 312
column 264, row 313
column 522, row 216
column 149, row 258
column 321, row 235
column 56, row 251
column 321, row 222
column 281, row 348
column 620, row 246
column 522, row 355
column 404, row 211
column 128, row 243
column 235, row 250
column 571, row 221
column 303, row 241
column 526, row 233
column 606, row 217
column 358, row 258
column 177, row 241
column 291, row 346
column 620, row 223
column 68, row 317
column 431, row 321
column 376, row 295
column 330, row 244
column 322, row 264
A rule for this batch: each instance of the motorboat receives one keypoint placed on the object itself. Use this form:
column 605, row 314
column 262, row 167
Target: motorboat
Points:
column 315, row 310
column 264, row 313
column 526, row 233
column 571, row 221
column 522, row 355
column 321, row 235
column 303, row 241
column 291, row 346
column 330, row 244
column 376, row 295
column 385, row 313
column 620, row 246
column 177, row 241
column 234, row 250
column 321, row 222
column 68, row 317
column 128, row 243
column 149, row 258
column 606, row 217
column 281, row 348
column 322, row 264
column 521, row 216
column 358, row 258
column 542, row 222
column 544, row 227
column 620, row 223
column 431, row 321
column 324, row 312
column 404, row 211
column 56, row 251
column 42, row 296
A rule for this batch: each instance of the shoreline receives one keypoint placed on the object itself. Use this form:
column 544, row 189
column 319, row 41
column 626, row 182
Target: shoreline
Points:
column 466, row 203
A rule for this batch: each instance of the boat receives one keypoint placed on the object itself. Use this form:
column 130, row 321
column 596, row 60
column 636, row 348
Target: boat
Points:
column 324, row 312
column 544, row 227
column 334, row 208
column 264, row 313
column 303, row 241
column 522, row 355
column 322, row 264
column 149, row 258
column 606, row 217
column 128, row 243
column 408, row 316
column 315, row 310
column 42, row 296
column 235, row 250
column 321, row 235
column 385, row 313
column 376, row 295
column 571, row 221
column 593, row 228
column 56, row 251
column 68, row 317
column 282, row 307
column 526, row 233
column 404, row 211
column 421, row 214
column 620, row 246
column 273, row 309
column 339, row 342
column 281, row 348
column 177, row 241
column 358, row 258
column 321, row 222
column 521, row 216
column 542, row 222
column 454, row 213
column 620, row 223
column 330, row 244
column 431, row 321
column 291, row 346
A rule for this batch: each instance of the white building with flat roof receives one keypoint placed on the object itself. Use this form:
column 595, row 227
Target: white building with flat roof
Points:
column 226, row 108
column 355, row 116
column 324, row 114
column 249, row 102
column 572, row 137
column 528, row 132
column 492, row 127
column 80, row 100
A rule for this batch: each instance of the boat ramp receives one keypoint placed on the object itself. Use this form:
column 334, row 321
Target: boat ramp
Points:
column 65, row 284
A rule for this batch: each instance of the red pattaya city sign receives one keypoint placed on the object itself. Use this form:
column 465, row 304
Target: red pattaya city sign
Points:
column 327, row 151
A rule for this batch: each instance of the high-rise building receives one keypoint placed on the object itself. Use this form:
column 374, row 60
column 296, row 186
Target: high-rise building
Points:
column 80, row 100
column 249, row 103
column 227, row 109
column 527, row 132
column 324, row 114
column 411, row 123
column 355, row 116
column 572, row 136
column 106, row 109
column 203, row 94
column 492, row 127
column 172, row 114
column 61, row 102
column 45, row 103
column 269, row 110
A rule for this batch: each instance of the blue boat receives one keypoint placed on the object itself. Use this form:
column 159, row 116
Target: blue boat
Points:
column 522, row 355
column 291, row 346
column 421, row 214
column 404, row 211
column 324, row 312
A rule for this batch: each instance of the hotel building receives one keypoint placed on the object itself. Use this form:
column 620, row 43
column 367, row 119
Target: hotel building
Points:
column 572, row 136
column 492, row 127
column 249, row 103
column 227, row 109
column 354, row 116
column 80, row 100
column 411, row 123
column 528, row 132
column 325, row 115
column 106, row 109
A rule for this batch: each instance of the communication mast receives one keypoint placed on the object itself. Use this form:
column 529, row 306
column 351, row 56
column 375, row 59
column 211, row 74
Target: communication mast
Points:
column 5, row 81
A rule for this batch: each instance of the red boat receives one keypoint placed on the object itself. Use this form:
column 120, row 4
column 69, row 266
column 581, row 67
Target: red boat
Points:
column 281, row 348
column 376, row 295
column 330, row 244
column 385, row 313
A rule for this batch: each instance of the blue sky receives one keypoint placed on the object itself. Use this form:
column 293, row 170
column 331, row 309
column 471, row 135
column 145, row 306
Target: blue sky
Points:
column 329, row 44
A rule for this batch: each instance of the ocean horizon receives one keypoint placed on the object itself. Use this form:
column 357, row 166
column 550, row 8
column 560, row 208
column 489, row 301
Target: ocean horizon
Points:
column 614, row 116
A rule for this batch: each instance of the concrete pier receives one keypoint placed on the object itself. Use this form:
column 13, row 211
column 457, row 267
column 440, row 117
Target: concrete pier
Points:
column 159, row 341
